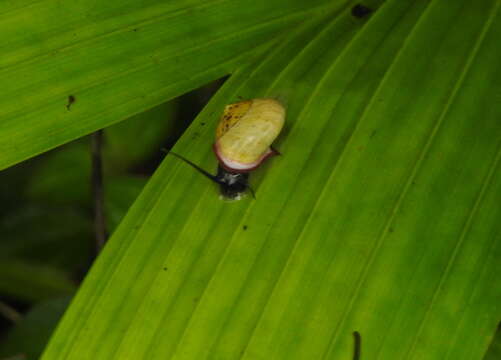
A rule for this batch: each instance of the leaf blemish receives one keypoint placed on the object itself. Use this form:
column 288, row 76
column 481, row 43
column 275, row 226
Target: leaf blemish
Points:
column 71, row 100
column 357, row 344
column 360, row 11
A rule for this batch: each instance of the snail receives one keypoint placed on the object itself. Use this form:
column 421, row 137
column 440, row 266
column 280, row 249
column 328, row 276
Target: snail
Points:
column 243, row 142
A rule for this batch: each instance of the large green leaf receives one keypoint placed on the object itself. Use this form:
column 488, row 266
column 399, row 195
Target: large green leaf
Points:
column 382, row 215
column 115, row 59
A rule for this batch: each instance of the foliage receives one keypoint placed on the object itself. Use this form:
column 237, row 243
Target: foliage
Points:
column 381, row 215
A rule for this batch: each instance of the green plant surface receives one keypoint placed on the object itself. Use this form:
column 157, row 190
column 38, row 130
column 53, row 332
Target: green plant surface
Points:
column 119, row 58
column 381, row 216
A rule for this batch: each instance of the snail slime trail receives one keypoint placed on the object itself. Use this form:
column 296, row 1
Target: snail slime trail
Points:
column 244, row 136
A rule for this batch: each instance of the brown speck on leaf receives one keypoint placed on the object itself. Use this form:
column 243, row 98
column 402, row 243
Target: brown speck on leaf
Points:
column 71, row 100
column 360, row 11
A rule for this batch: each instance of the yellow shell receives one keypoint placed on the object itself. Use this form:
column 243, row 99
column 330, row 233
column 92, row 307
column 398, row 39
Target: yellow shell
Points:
column 246, row 131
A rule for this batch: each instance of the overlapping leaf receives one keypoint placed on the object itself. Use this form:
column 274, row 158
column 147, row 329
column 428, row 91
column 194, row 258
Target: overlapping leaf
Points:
column 118, row 58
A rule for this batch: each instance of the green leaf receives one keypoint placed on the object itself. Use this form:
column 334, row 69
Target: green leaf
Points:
column 100, row 63
column 382, row 215
column 29, row 337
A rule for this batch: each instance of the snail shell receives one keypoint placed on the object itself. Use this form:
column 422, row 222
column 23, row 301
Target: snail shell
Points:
column 245, row 133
